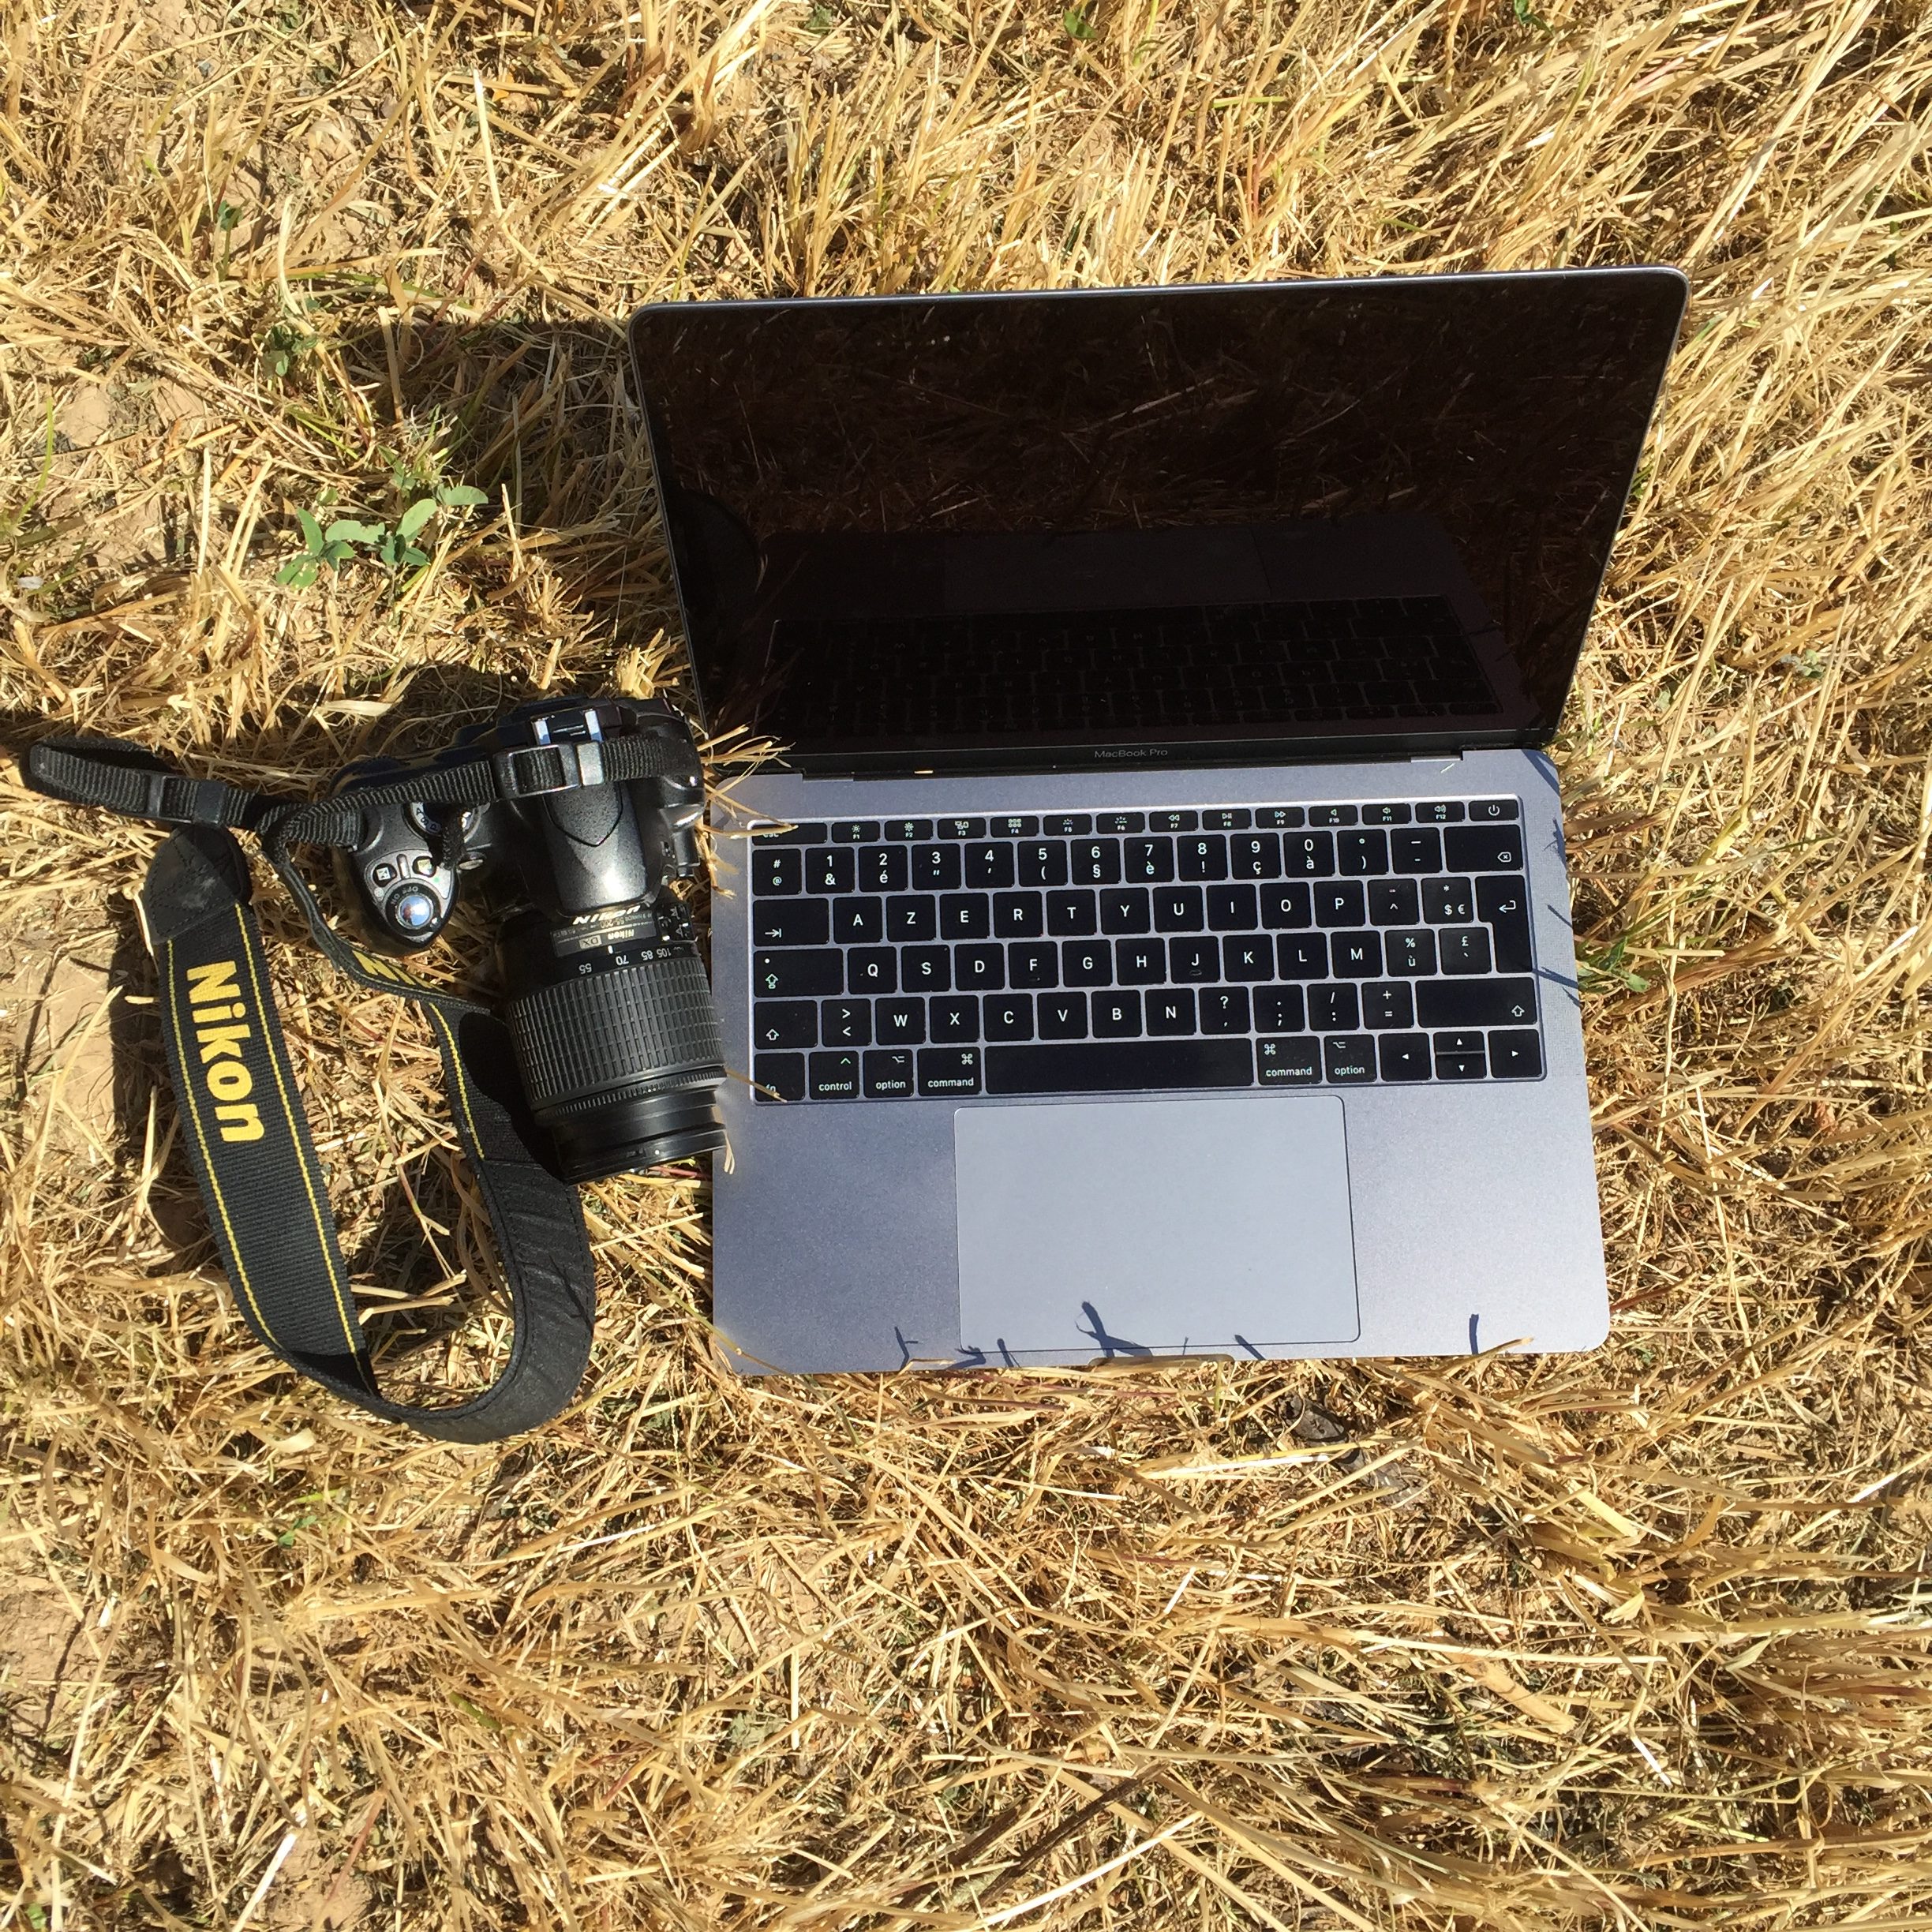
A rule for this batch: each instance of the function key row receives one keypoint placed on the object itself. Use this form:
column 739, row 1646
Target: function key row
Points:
column 1122, row 824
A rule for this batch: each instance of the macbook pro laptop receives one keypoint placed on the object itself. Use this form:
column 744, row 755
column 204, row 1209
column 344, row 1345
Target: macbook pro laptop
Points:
column 1150, row 934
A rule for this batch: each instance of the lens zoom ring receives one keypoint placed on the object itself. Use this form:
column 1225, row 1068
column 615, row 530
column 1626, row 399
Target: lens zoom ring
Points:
column 593, row 1036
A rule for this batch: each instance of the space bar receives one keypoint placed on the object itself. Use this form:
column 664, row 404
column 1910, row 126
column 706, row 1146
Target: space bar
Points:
column 1119, row 1066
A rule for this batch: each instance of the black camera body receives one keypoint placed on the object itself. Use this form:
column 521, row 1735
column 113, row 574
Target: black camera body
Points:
column 608, row 1004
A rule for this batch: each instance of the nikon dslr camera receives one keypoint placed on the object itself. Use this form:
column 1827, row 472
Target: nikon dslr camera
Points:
column 607, row 1001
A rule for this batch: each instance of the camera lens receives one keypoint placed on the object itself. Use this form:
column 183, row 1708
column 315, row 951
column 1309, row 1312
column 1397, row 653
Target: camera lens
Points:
column 617, row 1040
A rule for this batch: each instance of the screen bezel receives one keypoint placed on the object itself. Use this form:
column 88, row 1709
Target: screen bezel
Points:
column 1049, row 753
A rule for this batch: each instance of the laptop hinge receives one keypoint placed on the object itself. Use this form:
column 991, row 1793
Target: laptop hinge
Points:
column 1031, row 764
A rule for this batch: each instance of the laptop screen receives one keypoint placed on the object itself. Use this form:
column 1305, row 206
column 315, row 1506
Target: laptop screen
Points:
column 1196, row 523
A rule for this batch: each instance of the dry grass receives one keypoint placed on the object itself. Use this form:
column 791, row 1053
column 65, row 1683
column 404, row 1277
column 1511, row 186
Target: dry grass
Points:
column 1636, row 1640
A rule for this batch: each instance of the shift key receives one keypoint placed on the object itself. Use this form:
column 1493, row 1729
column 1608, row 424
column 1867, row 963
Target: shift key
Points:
column 1475, row 1002
column 788, row 975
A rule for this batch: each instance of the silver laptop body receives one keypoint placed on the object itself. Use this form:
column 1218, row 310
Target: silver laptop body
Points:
column 1152, row 935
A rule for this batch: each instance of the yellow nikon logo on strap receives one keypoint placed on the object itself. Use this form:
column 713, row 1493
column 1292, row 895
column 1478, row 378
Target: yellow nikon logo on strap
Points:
column 219, row 1016
column 387, row 969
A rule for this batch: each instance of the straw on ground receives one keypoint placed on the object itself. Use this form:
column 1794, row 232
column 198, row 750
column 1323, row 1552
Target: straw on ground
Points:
column 1638, row 1639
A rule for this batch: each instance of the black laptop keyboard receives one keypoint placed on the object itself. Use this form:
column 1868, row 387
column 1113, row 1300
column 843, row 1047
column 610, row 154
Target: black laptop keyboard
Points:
column 1339, row 945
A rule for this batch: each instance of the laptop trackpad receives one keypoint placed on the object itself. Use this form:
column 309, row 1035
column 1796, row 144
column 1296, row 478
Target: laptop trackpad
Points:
column 1160, row 1227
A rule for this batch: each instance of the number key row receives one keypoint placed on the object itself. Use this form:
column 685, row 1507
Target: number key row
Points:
column 784, row 870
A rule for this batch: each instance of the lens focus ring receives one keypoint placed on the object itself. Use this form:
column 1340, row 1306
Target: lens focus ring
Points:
column 588, row 1041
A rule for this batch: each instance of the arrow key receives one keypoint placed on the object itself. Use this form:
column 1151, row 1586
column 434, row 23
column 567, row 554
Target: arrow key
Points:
column 1517, row 1054
column 1459, row 1057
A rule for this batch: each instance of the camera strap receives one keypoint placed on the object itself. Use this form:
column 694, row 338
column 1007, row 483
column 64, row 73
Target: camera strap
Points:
column 242, row 1118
